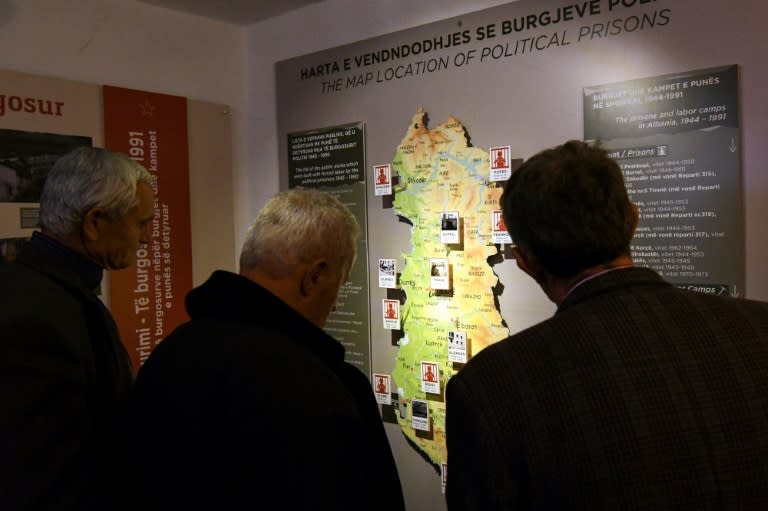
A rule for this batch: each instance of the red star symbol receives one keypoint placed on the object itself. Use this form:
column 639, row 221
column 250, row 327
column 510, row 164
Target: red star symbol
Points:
column 147, row 109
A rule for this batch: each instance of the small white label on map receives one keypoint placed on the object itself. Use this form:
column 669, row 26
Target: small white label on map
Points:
column 391, row 314
column 449, row 227
column 382, row 176
column 501, row 168
column 457, row 347
column 499, row 234
column 381, row 389
column 420, row 415
column 387, row 273
column 439, row 273
column 430, row 378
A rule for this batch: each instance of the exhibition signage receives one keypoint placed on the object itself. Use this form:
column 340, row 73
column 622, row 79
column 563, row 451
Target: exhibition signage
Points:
column 676, row 138
column 333, row 159
column 147, row 299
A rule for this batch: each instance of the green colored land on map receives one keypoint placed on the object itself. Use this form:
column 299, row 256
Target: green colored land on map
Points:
column 440, row 172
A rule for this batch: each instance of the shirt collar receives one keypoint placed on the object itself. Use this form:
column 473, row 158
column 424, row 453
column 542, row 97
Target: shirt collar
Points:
column 594, row 276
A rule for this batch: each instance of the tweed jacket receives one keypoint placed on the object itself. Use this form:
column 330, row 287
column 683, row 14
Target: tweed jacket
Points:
column 634, row 395
column 249, row 405
column 63, row 376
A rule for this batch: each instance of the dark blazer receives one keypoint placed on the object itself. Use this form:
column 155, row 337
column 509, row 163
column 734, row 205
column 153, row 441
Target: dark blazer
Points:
column 634, row 395
column 251, row 406
column 63, row 377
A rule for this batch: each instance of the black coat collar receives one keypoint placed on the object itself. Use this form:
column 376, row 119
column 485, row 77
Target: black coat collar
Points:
column 60, row 264
column 232, row 296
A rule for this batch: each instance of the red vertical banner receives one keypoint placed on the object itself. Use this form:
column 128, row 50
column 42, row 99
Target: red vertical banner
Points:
column 147, row 300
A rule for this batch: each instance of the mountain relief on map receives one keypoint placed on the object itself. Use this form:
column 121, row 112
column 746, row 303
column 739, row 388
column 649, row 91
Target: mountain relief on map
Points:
column 447, row 289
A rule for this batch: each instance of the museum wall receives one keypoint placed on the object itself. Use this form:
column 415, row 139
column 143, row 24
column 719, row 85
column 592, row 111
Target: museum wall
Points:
column 129, row 44
column 543, row 91
column 323, row 25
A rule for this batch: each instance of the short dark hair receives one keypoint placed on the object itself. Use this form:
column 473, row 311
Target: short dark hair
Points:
column 569, row 207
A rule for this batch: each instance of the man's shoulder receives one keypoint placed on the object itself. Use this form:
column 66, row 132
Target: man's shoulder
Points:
column 738, row 310
column 678, row 303
column 21, row 284
column 596, row 324
column 202, row 348
column 250, row 361
column 216, row 333
column 726, row 302
column 12, row 273
column 512, row 350
column 243, row 343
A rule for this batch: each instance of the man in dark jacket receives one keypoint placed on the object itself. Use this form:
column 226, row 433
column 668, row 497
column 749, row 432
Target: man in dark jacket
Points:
column 250, row 405
column 634, row 395
column 64, row 373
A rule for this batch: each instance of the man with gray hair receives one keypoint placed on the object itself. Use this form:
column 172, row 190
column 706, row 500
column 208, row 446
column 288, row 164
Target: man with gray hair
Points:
column 251, row 401
column 64, row 374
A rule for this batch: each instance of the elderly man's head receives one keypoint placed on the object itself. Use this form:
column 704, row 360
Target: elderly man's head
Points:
column 301, row 247
column 99, row 203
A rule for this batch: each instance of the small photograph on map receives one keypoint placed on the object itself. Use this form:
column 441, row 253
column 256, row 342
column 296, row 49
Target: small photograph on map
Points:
column 457, row 347
column 390, row 310
column 381, row 389
column 449, row 227
column 500, row 234
column 439, row 273
column 430, row 377
column 382, row 177
column 501, row 168
column 420, row 415
column 387, row 273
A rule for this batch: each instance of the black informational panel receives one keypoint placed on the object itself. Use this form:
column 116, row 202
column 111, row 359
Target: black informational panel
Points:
column 333, row 159
column 676, row 138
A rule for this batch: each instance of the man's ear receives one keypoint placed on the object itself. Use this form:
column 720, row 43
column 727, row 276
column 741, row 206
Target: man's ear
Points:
column 311, row 277
column 528, row 263
column 92, row 220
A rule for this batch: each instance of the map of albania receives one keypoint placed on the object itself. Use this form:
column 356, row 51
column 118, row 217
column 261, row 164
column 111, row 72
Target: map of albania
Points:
column 439, row 171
